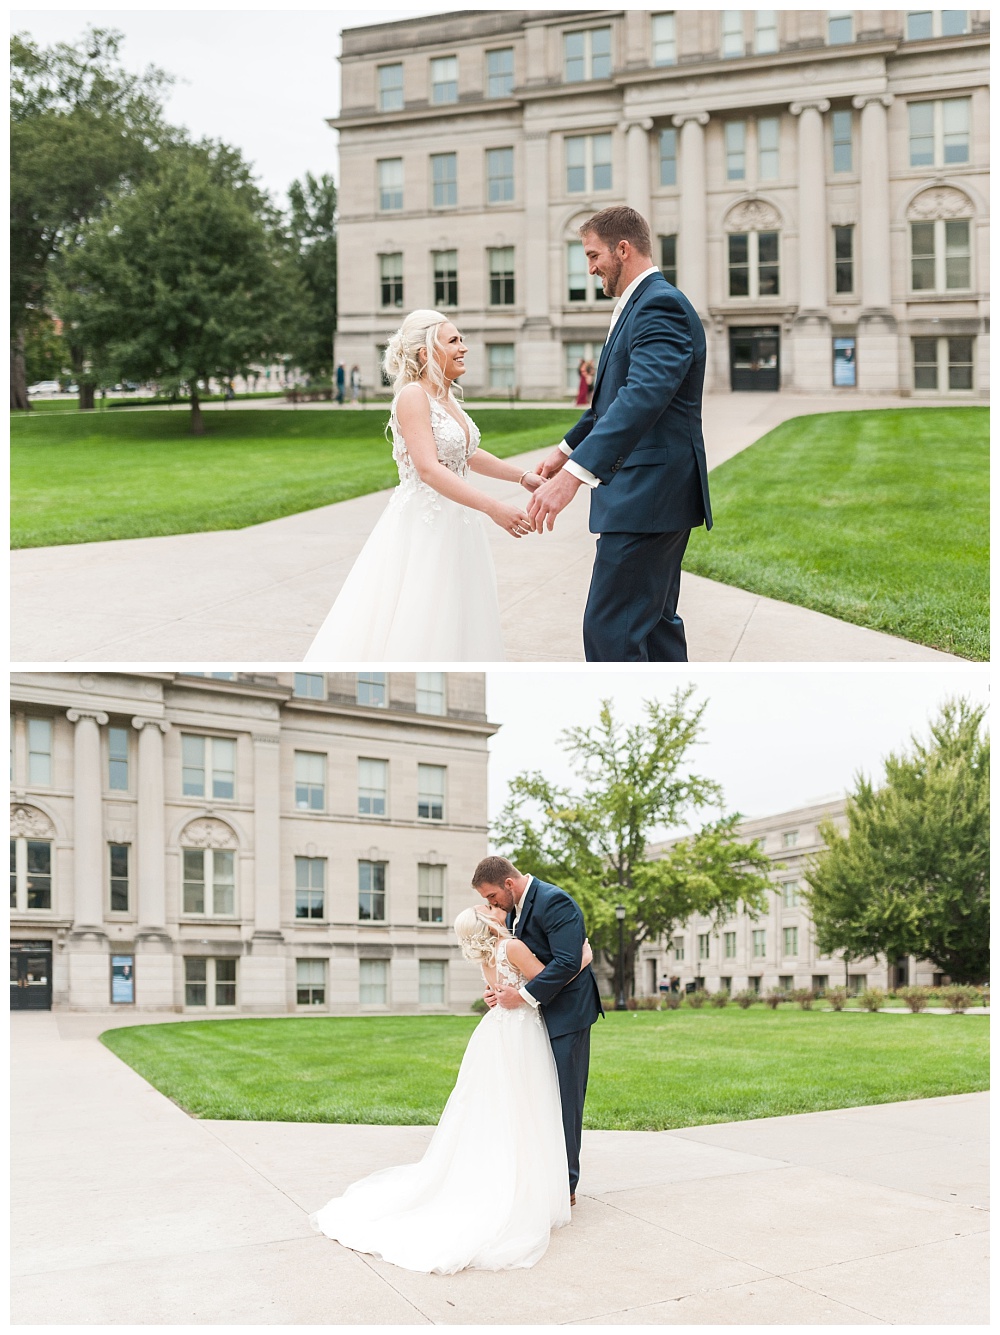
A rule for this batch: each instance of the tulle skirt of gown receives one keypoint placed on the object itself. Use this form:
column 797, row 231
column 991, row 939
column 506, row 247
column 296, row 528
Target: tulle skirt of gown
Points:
column 493, row 1180
column 423, row 588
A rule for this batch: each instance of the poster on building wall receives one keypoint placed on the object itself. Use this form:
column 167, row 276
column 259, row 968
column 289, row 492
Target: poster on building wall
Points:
column 123, row 979
column 845, row 368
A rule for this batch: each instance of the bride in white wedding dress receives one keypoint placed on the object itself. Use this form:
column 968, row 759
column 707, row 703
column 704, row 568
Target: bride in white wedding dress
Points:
column 423, row 587
column 493, row 1181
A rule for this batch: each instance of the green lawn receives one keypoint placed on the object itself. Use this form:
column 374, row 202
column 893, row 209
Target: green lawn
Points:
column 649, row 1070
column 878, row 518
column 88, row 477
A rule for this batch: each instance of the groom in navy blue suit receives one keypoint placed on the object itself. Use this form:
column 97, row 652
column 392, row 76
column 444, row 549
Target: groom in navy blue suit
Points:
column 639, row 448
column 550, row 924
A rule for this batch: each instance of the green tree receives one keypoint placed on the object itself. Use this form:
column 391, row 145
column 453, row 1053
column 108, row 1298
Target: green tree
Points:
column 312, row 231
column 184, row 277
column 911, row 875
column 82, row 128
column 594, row 842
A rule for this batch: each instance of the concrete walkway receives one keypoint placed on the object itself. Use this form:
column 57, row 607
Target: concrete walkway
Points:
column 258, row 595
column 127, row 1211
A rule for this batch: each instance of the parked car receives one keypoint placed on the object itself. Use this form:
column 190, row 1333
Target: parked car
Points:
column 44, row 387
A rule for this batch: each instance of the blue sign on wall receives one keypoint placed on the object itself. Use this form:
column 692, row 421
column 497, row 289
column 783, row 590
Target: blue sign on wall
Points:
column 845, row 367
column 123, row 979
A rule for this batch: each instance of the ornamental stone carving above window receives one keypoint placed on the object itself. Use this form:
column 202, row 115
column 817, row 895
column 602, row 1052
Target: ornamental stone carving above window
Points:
column 208, row 833
column 752, row 215
column 30, row 823
column 941, row 201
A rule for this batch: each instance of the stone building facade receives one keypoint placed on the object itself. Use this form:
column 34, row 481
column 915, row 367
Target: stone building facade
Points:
column 816, row 182
column 237, row 844
column 779, row 948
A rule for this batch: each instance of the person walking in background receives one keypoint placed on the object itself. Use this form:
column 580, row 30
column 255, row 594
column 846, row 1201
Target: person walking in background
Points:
column 356, row 385
column 583, row 385
column 340, row 382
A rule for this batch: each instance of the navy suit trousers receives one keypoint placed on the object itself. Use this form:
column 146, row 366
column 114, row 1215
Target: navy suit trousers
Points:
column 631, row 614
column 572, row 1054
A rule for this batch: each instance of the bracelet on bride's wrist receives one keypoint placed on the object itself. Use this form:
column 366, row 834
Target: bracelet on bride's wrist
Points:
column 520, row 480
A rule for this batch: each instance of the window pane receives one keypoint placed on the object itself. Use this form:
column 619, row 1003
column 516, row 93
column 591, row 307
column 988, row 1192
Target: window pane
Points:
column 430, row 685
column 576, row 271
column 499, row 175
column 444, row 177
column 193, row 763
column 223, row 767
column 118, row 866
column 500, row 72
column 574, row 65
column 194, row 880
column 668, row 157
column 664, row 40
column 225, row 982
column 501, row 365
column 955, row 125
column 374, row 983
column 312, row 685
column 954, row 22
column 195, row 982
column 925, row 374
column 430, row 779
column 444, row 79
column 921, row 134
column 601, row 145
column 430, row 892
column 40, row 751
column 118, row 759
column 390, row 87
column 842, row 144
column 668, row 258
column 39, row 874
column 732, row 32
column 431, row 977
column 766, row 32
column 735, row 150
column 600, row 47
column 390, row 183
column 373, row 782
column 371, row 891
column 957, row 258
column 840, row 27
column 372, row 689
column 959, row 363
column 13, row 873
column 767, row 148
column 739, row 265
column 922, row 253
column 576, row 164
column 919, row 25
column 223, row 881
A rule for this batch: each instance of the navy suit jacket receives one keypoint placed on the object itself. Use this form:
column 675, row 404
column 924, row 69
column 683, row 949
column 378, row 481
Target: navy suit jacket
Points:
column 642, row 433
column 551, row 926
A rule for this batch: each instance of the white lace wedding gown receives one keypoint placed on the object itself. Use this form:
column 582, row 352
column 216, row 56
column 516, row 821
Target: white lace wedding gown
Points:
column 493, row 1180
column 423, row 587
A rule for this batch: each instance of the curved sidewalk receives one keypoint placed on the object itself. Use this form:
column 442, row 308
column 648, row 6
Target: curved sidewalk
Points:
column 127, row 1211
column 259, row 594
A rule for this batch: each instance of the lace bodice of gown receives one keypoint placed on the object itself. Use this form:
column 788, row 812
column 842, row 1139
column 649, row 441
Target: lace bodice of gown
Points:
column 508, row 975
column 453, row 449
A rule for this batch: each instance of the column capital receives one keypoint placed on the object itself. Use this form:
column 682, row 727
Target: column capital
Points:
column 640, row 123
column 862, row 100
column 98, row 715
column 265, row 739
column 140, row 722
column 820, row 104
column 682, row 118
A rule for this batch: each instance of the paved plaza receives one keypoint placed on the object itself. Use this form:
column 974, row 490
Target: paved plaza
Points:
column 259, row 594
column 127, row 1211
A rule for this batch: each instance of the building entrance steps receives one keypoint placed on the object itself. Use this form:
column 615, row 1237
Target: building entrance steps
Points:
column 128, row 1212
column 259, row 594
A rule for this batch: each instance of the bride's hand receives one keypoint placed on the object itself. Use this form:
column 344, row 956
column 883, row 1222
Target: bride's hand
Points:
column 588, row 954
column 531, row 481
column 511, row 519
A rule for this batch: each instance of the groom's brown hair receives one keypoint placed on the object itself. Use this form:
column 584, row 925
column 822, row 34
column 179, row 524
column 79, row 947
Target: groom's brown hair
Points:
column 493, row 871
column 620, row 223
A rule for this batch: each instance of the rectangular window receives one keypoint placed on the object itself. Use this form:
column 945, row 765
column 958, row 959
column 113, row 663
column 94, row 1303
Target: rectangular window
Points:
column 919, row 24
column 310, row 888
column 502, row 277
column 703, row 945
column 391, row 279
column 118, row 855
column 736, row 150
column 500, row 72
column 13, row 873
column 310, row 982
column 431, row 982
column 501, row 365
column 430, row 892
column 444, row 180
column 940, row 255
column 579, row 285
column 732, row 32
column 922, row 24
column 765, row 32
column 790, row 940
column 576, row 164
column 587, row 55
column 668, row 157
column 371, row 891
column 38, row 879
column 444, row 79
column 373, row 786
column 372, row 690
column 925, row 363
column 922, row 256
column 957, row 254
column 955, row 119
column 729, row 945
column 118, row 759
column 940, row 132
column 430, row 792
column 767, row 148
column 430, row 693
column 310, row 781
column 225, row 982
column 210, row 882
column 843, row 141
column 390, row 88
column 789, row 894
column 678, row 947
column 445, row 277
column 668, row 258
column 954, row 22
column 839, row 27
column 195, row 982
column 767, row 264
column 739, row 264
column 208, row 766
column 959, row 363
column 786, row 982
column 588, row 163
column 40, row 752
column 790, row 838
column 943, row 363
column 390, row 184
column 374, row 983
column 499, row 175
column 309, row 686
column 759, row 943
column 664, row 39
column 843, row 259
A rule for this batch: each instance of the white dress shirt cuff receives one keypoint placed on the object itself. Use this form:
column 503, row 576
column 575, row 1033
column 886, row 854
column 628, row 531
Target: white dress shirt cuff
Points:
column 584, row 474
column 565, row 449
column 532, row 1001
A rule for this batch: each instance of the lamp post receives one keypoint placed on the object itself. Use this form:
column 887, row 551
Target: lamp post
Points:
column 620, row 999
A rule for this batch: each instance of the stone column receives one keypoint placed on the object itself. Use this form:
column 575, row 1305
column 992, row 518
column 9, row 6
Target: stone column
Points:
column 878, row 369
column 637, row 159
column 151, row 855
column 813, row 351
column 692, row 249
column 88, row 824
column 267, row 837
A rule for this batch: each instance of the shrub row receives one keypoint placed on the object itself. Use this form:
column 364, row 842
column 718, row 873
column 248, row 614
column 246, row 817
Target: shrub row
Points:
column 956, row 998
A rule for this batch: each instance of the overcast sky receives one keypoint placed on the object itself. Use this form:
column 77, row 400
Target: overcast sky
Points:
column 775, row 737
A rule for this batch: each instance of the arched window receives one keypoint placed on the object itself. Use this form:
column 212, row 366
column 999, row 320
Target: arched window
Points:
column 940, row 231
column 753, row 258
column 208, row 870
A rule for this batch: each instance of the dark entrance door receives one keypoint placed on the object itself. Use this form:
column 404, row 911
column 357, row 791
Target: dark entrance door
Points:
column 31, row 976
column 754, row 358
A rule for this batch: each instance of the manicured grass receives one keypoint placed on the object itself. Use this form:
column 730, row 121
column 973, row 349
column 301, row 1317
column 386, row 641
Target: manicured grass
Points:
column 88, row 477
column 649, row 1070
column 878, row 518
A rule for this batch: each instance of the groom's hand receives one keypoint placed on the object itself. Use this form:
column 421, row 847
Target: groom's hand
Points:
column 550, row 498
column 509, row 998
column 552, row 463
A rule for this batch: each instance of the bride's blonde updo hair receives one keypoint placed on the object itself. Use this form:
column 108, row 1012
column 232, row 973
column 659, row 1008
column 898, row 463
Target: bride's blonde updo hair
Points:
column 476, row 938
column 401, row 360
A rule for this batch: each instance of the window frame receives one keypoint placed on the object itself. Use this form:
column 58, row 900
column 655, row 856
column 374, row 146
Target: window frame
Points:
column 590, row 164
column 437, row 688
column 305, row 677
column 754, row 265
column 593, row 292
column 212, row 982
column 843, row 265
column 437, row 99
column 210, row 768
column 433, row 799
column 491, row 75
column 769, row 151
column 445, row 274
column 307, row 892
column 370, row 792
column 840, row 141
column 502, row 375
column 668, row 257
column 502, row 280
column 939, row 254
column 588, row 58
column 301, row 780
column 840, row 17
column 383, row 90
column 112, row 877
column 669, row 41
column 732, row 37
column 504, row 192
column 758, row 943
column 124, row 733
column 42, row 725
column 668, row 160
column 731, row 153
column 310, row 986
column 938, row 133
column 389, row 191
column 431, row 896
column 390, row 284
column 377, row 890
column 446, row 185
column 759, row 28
column 209, row 882
column 370, row 684
column 944, row 363
column 22, row 875
column 441, row 969
column 790, row 942
column 365, row 965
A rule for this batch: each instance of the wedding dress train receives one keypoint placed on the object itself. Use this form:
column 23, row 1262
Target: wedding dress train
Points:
column 424, row 587
column 493, row 1181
